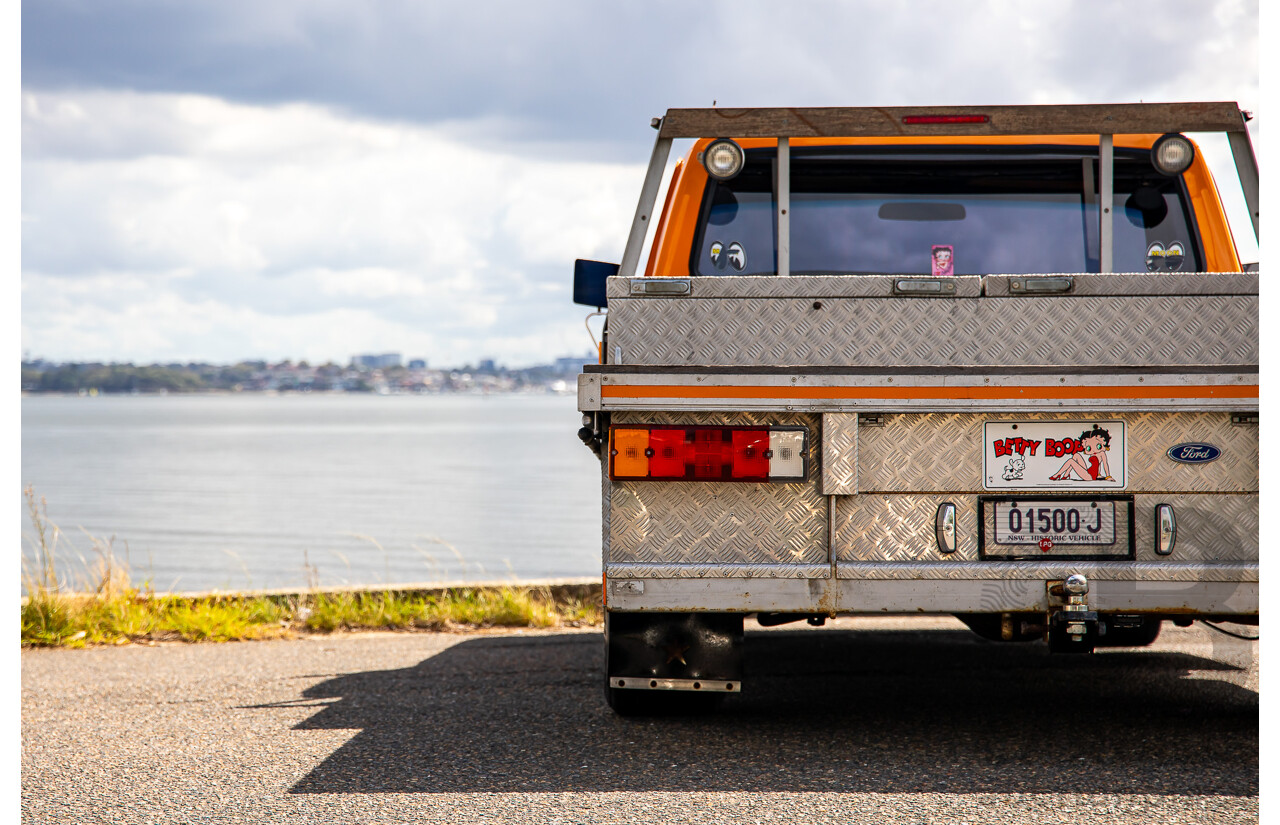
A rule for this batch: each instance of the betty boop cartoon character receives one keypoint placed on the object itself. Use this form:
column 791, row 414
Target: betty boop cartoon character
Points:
column 942, row 255
column 1090, row 464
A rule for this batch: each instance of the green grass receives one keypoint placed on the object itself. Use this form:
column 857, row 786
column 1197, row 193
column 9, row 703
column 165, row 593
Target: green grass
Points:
column 102, row 607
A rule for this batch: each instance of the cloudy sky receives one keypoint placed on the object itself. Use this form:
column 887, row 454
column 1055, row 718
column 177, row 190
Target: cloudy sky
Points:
column 227, row 179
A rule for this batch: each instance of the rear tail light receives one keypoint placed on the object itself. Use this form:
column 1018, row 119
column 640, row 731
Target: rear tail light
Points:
column 709, row 453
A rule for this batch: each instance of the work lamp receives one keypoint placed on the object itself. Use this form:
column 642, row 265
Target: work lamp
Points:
column 723, row 159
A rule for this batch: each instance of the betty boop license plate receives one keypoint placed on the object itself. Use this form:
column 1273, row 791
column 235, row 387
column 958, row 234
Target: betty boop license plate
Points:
column 1073, row 454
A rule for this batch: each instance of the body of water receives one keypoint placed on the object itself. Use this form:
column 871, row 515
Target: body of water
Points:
column 259, row 491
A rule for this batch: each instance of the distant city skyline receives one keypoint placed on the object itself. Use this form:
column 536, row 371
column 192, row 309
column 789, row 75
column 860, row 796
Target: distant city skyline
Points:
column 358, row 360
column 231, row 180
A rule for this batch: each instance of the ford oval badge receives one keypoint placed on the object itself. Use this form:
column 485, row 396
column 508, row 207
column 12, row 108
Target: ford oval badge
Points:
column 1194, row 453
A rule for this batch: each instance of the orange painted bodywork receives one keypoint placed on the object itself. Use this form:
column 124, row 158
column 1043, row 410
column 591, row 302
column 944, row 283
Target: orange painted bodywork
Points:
column 673, row 241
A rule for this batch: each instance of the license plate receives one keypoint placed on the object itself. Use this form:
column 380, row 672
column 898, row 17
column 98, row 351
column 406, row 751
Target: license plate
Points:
column 1048, row 523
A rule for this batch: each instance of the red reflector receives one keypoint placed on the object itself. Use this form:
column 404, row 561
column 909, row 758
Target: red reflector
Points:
column 749, row 449
column 927, row 119
column 669, row 453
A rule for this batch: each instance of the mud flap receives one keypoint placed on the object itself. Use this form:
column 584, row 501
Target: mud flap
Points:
column 674, row 651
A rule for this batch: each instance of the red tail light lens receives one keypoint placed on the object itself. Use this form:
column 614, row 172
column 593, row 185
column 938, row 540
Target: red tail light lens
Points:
column 670, row 453
column 709, row 453
column 750, row 454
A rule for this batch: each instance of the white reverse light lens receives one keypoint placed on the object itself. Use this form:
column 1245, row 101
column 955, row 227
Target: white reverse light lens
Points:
column 1172, row 154
column 723, row 159
column 787, row 460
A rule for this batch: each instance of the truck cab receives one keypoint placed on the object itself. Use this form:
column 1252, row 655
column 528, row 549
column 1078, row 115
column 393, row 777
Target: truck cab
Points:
column 999, row 363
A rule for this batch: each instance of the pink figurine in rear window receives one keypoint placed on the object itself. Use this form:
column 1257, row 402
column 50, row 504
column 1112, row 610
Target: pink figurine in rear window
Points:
column 942, row 260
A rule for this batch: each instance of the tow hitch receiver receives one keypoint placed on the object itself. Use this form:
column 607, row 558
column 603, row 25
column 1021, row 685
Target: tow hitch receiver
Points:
column 1073, row 627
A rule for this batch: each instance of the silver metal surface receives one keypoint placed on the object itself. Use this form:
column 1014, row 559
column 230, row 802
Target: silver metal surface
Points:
column 1094, row 331
column 1076, row 585
column 839, row 454
column 900, row 528
column 700, row 685
column 746, row 287
column 1210, row 529
column 782, row 191
column 746, row 595
column 745, row 570
column 644, row 208
column 710, row 523
column 915, row 596
column 699, row 528
column 875, row 531
column 606, row 487
column 1147, row 571
column 1166, row 530
column 1106, row 174
column 839, row 389
column 943, row 451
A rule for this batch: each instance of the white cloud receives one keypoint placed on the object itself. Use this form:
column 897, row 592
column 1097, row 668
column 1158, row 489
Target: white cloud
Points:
column 421, row 176
column 293, row 210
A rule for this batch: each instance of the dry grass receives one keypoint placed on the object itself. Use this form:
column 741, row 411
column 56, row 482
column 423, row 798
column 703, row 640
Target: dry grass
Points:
column 102, row 607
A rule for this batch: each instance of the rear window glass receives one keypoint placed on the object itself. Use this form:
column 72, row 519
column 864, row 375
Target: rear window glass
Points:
column 1033, row 212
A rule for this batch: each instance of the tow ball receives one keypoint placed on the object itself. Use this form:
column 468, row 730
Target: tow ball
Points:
column 1073, row 627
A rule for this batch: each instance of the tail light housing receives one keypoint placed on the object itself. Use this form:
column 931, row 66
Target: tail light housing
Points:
column 672, row 453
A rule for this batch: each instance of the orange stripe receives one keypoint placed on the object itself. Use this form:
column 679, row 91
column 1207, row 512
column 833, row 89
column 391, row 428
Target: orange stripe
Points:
column 679, row 391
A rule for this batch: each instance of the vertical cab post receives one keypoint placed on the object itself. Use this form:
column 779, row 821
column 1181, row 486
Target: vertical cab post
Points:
column 644, row 209
column 782, row 172
column 1106, row 174
column 1246, row 167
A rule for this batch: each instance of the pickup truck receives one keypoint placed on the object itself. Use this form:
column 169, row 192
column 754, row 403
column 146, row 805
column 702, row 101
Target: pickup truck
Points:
column 994, row 362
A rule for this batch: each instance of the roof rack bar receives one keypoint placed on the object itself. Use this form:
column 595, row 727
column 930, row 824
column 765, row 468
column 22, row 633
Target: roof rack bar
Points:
column 644, row 209
column 1112, row 118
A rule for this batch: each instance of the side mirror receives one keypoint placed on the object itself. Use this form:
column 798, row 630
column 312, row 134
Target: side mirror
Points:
column 589, row 282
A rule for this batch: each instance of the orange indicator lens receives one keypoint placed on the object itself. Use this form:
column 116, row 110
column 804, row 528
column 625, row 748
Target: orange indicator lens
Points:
column 628, row 453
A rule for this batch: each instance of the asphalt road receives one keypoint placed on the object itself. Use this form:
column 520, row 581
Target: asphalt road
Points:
column 874, row 720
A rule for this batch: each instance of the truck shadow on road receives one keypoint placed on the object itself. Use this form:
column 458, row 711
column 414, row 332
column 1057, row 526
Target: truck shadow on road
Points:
column 833, row 710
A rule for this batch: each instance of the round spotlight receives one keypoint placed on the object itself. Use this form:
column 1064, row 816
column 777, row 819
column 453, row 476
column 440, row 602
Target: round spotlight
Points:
column 1172, row 154
column 723, row 159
